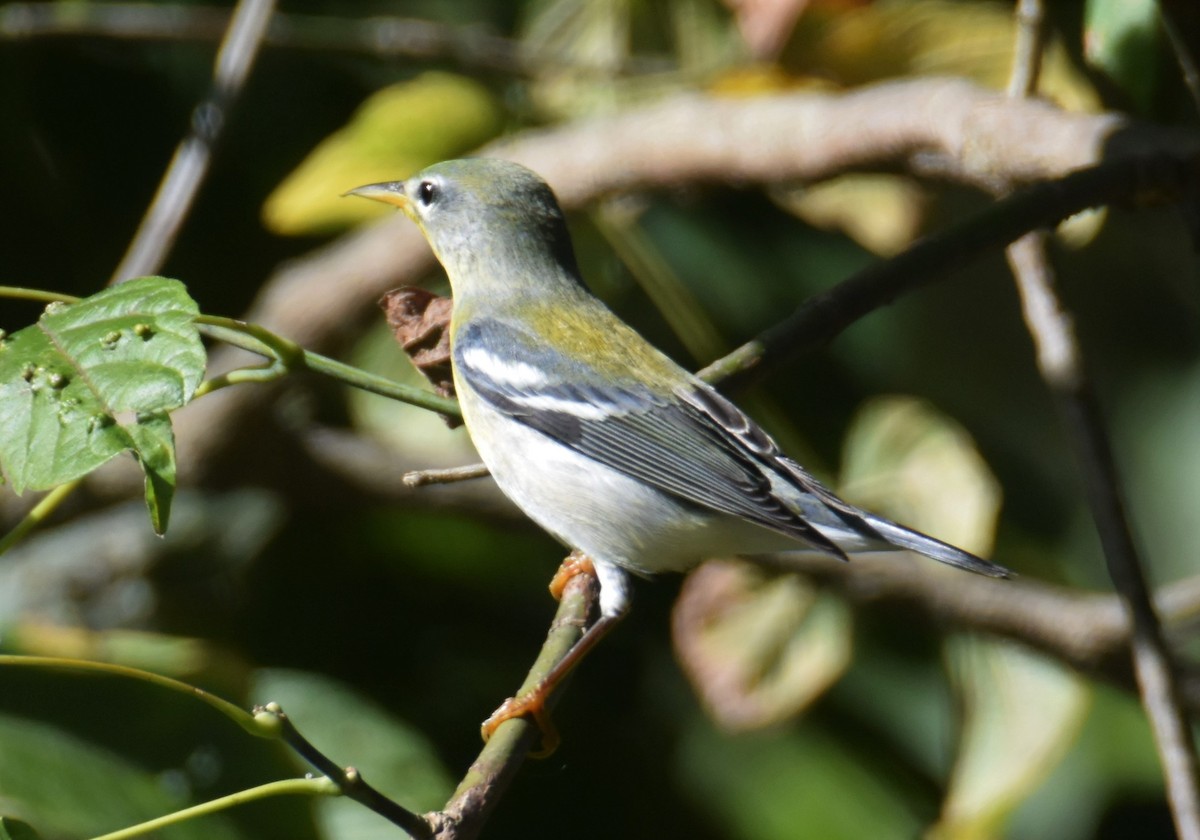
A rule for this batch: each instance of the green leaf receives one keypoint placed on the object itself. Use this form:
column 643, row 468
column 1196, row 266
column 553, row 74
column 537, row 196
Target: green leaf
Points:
column 1121, row 39
column 906, row 460
column 72, row 787
column 788, row 783
column 1022, row 713
column 95, row 378
column 154, row 442
column 11, row 829
column 758, row 648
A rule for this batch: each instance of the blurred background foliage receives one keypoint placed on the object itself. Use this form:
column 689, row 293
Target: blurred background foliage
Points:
column 389, row 631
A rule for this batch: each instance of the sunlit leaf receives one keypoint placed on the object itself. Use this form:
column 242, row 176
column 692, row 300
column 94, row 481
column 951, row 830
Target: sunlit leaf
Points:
column 854, row 44
column 1021, row 712
column 1121, row 38
column 395, row 132
column 95, row 378
column 758, row 648
column 882, row 213
column 905, row 460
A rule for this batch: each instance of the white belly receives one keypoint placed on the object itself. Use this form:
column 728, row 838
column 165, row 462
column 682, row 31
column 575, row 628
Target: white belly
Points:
column 606, row 514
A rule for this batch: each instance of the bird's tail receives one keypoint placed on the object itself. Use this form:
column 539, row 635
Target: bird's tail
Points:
column 902, row 537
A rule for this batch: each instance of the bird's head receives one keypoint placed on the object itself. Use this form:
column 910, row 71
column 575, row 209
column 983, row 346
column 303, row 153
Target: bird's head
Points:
column 485, row 219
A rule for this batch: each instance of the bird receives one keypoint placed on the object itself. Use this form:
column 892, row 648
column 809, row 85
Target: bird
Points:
column 604, row 441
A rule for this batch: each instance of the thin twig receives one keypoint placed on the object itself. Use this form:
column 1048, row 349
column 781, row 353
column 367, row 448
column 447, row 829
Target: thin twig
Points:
column 1181, row 22
column 1027, row 52
column 348, row 780
column 1060, row 362
column 292, row 787
column 1062, row 368
column 824, row 316
column 160, row 226
column 390, row 37
column 420, row 478
column 38, row 514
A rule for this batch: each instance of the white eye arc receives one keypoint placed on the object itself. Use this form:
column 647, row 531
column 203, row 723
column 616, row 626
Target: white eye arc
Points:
column 427, row 193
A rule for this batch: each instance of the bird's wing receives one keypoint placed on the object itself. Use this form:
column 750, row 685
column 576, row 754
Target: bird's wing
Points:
column 698, row 447
column 827, row 509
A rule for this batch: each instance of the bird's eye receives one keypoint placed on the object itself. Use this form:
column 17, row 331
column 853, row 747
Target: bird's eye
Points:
column 427, row 193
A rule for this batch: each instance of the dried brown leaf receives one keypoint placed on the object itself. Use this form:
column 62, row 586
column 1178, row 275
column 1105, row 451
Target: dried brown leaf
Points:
column 758, row 648
column 420, row 322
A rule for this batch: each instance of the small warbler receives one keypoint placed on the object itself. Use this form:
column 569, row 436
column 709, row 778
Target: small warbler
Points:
column 597, row 436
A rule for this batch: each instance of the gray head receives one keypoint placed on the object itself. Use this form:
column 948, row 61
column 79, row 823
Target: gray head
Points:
column 485, row 219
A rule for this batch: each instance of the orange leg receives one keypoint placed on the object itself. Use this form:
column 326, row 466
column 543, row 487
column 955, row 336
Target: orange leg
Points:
column 533, row 702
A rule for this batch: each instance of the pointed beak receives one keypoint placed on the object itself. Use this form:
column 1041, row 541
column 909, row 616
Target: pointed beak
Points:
column 389, row 192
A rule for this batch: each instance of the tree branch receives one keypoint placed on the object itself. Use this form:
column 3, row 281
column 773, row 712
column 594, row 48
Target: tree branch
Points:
column 1060, row 362
column 1087, row 631
column 181, row 182
column 979, row 138
column 1062, row 368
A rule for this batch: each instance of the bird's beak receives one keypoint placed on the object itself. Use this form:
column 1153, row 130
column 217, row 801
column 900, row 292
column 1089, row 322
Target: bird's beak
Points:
column 389, row 192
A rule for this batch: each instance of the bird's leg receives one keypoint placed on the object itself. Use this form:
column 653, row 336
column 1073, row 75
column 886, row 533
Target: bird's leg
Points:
column 533, row 702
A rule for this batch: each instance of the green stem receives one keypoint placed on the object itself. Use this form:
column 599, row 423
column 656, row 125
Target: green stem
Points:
column 321, row 786
column 258, row 340
column 40, row 295
column 46, row 506
column 235, row 713
column 261, row 373
column 287, row 351
column 379, row 385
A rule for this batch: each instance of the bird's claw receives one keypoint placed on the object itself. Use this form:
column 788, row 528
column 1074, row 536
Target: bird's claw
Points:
column 532, row 704
column 576, row 563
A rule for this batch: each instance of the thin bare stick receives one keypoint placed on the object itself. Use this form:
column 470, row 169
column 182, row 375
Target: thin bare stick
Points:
column 1027, row 52
column 348, row 780
column 1062, row 368
column 468, row 45
column 1181, row 21
column 1061, row 365
column 420, row 478
column 160, row 226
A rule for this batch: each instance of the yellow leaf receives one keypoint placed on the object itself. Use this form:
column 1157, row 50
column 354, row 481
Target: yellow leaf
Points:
column 907, row 461
column 1021, row 713
column 396, row 132
column 891, row 38
column 882, row 213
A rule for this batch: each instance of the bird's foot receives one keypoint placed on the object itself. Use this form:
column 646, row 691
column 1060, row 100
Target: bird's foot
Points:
column 533, row 704
column 577, row 563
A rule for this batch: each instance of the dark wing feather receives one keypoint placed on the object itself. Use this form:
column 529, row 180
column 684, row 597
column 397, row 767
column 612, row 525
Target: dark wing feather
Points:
column 687, row 448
